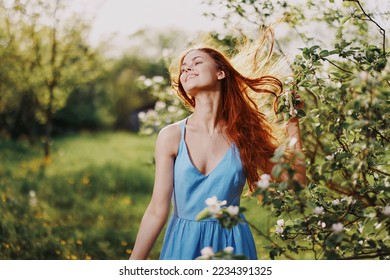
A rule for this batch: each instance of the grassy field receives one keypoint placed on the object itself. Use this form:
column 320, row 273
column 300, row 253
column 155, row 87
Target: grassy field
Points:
column 87, row 202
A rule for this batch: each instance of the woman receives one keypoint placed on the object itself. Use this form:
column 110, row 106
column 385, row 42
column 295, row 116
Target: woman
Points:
column 223, row 144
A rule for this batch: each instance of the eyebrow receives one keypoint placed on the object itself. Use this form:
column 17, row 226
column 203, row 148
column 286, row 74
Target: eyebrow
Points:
column 198, row 56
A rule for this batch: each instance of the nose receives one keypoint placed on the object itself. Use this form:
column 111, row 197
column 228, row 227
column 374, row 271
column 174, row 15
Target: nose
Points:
column 188, row 68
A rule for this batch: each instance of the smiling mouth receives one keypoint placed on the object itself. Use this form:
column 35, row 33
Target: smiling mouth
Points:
column 190, row 76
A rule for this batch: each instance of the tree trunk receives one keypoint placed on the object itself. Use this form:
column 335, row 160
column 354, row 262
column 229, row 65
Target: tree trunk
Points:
column 51, row 86
column 49, row 124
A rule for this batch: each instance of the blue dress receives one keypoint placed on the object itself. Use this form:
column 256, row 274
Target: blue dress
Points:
column 185, row 237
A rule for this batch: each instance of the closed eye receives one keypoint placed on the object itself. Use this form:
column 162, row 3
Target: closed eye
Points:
column 196, row 61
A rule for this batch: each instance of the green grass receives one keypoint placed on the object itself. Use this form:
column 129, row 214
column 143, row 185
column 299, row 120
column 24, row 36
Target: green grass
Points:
column 86, row 203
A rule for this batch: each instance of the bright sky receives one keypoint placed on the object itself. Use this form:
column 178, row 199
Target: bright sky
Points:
column 115, row 20
column 124, row 17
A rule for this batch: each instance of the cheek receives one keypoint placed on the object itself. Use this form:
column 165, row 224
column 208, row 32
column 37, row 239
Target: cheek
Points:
column 181, row 78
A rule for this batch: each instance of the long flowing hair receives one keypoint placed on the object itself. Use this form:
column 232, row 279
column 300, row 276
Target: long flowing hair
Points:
column 247, row 126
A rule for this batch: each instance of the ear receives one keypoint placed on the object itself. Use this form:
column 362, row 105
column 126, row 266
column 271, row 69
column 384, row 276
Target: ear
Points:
column 221, row 75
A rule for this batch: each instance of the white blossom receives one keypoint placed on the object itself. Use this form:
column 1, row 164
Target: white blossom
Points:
column 158, row 79
column 377, row 225
column 142, row 115
column 360, row 228
column 172, row 109
column 263, row 183
column 214, row 206
column 387, row 183
column 386, row 210
column 229, row 250
column 293, row 112
column 160, row 105
column 33, row 201
column 280, row 222
column 151, row 113
column 279, row 226
column 336, row 202
column 349, row 200
column 279, row 229
column 364, row 75
column 337, row 227
column 207, row 252
column 289, row 80
column 233, row 210
column 148, row 82
column 370, row 214
column 322, row 224
column 319, row 210
column 330, row 157
column 286, row 101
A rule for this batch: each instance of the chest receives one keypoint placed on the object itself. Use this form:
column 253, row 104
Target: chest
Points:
column 206, row 152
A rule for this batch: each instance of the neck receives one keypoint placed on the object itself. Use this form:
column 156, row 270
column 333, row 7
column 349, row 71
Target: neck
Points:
column 206, row 113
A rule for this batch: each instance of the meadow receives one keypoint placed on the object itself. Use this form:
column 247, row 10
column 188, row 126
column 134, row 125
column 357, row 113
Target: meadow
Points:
column 87, row 202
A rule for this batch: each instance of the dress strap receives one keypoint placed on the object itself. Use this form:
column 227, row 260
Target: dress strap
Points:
column 183, row 127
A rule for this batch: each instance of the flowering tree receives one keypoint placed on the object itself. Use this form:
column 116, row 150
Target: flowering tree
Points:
column 344, row 211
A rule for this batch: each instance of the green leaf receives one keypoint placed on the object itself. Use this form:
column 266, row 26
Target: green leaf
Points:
column 277, row 203
column 277, row 170
column 318, row 130
column 343, row 155
column 324, row 53
column 301, row 113
column 345, row 19
column 313, row 48
column 371, row 243
column 363, row 191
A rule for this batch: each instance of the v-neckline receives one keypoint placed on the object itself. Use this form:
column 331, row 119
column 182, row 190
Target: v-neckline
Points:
column 190, row 160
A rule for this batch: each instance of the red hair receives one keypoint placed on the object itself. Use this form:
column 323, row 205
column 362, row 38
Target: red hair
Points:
column 247, row 127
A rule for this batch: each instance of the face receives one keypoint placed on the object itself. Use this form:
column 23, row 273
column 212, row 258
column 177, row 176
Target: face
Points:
column 199, row 72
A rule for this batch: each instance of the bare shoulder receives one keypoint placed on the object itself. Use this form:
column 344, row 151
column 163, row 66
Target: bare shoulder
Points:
column 169, row 139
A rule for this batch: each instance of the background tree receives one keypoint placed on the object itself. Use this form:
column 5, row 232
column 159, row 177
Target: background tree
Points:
column 45, row 57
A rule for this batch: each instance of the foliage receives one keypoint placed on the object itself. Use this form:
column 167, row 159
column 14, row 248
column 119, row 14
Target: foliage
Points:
column 344, row 211
column 51, row 80
column 227, row 216
column 166, row 110
column 44, row 57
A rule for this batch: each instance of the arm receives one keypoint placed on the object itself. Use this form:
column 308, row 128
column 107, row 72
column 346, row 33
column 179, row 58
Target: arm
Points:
column 157, row 212
column 293, row 131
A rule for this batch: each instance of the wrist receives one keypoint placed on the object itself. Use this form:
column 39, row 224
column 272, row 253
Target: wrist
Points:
column 292, row 128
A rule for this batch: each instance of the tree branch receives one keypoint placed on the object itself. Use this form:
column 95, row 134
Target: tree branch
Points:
column 367, row 256
column 338, row 67
column 269, row 239
column 381, row 30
